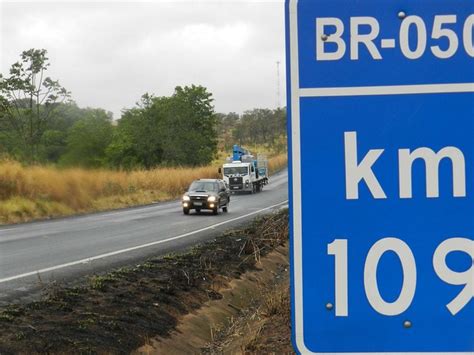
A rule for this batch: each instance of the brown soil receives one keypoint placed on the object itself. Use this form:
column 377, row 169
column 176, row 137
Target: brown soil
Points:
column 274, row 336
column 251, row 317
column 121, row 311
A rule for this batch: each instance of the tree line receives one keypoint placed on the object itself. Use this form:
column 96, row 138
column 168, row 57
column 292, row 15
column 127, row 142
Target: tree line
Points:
column 40, row 123
column 254, row 127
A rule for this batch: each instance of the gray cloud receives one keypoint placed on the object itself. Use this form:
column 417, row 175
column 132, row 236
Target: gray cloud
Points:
column 110, row 53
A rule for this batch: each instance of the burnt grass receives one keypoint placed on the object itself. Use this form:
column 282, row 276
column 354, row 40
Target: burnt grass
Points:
column 119, row 311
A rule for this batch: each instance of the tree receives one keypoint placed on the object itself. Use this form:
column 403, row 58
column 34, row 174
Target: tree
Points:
column 88, row 140
column 54, row 140
column 190, row 132
column 53, row 145
column 27, row 101
column 261, row 126
column 137, row 140
column 176, row 130
column 225, row 127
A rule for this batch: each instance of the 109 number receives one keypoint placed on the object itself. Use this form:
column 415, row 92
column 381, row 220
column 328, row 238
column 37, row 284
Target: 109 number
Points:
column 339, row 247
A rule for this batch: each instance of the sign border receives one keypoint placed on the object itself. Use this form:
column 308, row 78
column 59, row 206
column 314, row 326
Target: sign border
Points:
column 295, row 93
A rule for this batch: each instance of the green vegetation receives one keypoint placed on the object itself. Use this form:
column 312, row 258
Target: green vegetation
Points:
column 88, row 139
column 175, row 130
column 28, row 100
column 254, row 128
column 40, row 124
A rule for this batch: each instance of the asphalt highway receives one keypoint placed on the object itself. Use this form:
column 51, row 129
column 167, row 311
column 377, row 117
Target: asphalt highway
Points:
column 63, row 250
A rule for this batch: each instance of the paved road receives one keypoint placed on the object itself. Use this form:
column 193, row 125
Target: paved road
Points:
column 32, row 254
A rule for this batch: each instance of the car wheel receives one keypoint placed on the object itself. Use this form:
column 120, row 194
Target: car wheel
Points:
column 186, row 210
column 215, row 210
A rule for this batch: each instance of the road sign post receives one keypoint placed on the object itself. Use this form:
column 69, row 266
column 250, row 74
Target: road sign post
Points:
column 381, row 130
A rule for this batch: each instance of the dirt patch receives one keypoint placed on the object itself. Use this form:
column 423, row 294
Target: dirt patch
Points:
column 122, row 310
column 264, row 327
column 234, row 322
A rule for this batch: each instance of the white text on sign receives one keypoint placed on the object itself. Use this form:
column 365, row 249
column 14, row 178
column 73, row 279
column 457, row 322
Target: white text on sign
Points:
column 339, row 248
column 361, row 170
column 440, row 41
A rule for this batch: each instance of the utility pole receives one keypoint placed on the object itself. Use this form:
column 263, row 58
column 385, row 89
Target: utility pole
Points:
column 278, row 84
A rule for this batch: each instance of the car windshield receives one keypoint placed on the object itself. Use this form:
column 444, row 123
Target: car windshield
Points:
column 236, row 170
column 203, row 186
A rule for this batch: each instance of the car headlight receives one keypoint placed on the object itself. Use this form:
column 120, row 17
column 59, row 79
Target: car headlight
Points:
column 212, row 198
column 186, row 198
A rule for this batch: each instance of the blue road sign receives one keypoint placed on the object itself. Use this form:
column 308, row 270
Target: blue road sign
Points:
column 381, row 121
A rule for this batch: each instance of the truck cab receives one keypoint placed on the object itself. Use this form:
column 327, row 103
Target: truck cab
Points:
column 239, row 176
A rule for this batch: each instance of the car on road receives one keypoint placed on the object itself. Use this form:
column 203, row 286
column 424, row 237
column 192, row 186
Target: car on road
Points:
column 206, row 194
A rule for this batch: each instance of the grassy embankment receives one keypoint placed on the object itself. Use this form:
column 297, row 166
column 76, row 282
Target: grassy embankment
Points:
column 35, row 192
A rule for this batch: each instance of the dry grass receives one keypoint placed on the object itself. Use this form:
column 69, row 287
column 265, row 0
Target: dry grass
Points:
column 273, row 334
column 277, row 163
column 40, row 192
column 36, row 191
column 277, row 302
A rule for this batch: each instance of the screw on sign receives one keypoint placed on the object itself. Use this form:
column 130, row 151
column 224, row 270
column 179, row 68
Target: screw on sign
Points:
column 381, row 107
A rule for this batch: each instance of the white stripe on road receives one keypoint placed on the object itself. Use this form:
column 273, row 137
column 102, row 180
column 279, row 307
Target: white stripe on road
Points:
column 6, row 229
column 106, row 255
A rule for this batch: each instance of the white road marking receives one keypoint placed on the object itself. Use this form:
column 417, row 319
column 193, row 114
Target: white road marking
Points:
column 106, row 255
column 6, row 229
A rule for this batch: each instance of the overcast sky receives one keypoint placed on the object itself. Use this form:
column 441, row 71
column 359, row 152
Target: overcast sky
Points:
column 109, row 53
